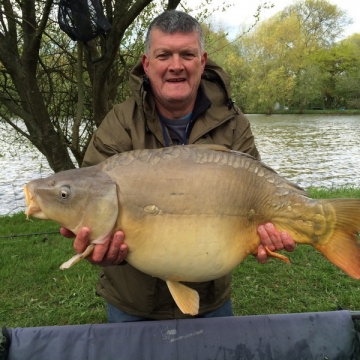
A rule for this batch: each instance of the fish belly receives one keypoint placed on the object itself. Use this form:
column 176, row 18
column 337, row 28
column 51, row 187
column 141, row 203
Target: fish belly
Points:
column 187, row 247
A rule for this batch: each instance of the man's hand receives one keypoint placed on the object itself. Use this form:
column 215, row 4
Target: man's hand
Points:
column 112, row 252
column 274, row 240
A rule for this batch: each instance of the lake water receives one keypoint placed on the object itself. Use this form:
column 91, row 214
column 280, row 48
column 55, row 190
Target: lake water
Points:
column 311, row 150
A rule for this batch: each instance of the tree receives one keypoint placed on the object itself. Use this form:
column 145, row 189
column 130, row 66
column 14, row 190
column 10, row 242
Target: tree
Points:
column 20, row 40
column 308, row 90
column 345, row 68
column 319, row 21
column 279, row 54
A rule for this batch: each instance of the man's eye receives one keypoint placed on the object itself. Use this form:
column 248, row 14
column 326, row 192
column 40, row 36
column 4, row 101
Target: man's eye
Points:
column 188, row 56
column 162, row 56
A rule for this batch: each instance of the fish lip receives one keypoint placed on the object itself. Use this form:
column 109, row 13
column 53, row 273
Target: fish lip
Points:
column 33, row 209
column 28, row 195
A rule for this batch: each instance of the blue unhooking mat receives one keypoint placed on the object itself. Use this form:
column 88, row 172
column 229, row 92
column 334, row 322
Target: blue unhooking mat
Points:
column 320, row 335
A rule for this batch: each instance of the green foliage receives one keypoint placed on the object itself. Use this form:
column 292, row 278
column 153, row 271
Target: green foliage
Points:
column 292, row 59
column 308, row 88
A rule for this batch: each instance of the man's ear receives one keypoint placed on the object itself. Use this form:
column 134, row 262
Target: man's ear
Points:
column 145, row 63
column 203, row 60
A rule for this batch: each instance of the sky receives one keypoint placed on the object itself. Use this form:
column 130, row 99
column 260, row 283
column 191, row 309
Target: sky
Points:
column 243, row 10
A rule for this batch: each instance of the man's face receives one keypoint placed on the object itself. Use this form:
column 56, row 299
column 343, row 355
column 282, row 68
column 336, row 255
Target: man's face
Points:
column 174, row 66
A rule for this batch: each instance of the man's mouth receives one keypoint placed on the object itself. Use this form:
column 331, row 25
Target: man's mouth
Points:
column 176, row 80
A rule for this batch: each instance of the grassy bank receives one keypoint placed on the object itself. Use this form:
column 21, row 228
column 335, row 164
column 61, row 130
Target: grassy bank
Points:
column 34, row 292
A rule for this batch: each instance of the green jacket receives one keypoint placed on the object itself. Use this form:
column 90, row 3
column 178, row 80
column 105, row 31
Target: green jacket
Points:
column 134, row 124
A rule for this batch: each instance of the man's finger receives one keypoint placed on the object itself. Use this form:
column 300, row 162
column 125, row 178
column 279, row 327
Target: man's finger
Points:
column 288, row 242
column 265, row 238
column 66, row 232
column 122, row 249
column 122, row 254
column 100, row 250
column 82, row 240
column 114, row 249
column 261, row 255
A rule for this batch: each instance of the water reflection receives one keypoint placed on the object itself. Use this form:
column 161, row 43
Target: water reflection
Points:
column 309, row 150
column 19, row 163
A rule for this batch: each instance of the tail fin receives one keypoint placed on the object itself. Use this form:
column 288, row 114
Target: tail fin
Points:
column 343, row 248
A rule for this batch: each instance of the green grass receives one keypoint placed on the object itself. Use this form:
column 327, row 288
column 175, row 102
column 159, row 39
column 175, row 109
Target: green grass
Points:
column 34, row 292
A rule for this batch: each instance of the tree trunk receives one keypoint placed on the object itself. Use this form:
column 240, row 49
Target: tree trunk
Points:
column 22, row 68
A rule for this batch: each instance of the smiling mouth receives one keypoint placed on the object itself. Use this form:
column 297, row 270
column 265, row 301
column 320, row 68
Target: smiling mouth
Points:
column 176, row 80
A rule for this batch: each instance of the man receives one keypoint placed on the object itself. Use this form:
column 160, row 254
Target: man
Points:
column 179, row 97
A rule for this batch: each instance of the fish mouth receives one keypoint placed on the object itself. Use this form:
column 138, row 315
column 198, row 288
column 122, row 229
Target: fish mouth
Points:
column 33, row 208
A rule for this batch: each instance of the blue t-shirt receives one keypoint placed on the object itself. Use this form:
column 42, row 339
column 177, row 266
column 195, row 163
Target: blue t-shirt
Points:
column 177, row 128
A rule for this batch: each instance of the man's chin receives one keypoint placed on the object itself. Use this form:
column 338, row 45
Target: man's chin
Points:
column 178, row 97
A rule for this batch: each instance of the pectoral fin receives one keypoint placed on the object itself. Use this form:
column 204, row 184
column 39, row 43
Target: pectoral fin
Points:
column 75, row 259
column 186, row 299
column 276, row 255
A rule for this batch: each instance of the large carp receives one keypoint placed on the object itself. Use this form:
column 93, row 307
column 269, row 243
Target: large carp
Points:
column 190, row 213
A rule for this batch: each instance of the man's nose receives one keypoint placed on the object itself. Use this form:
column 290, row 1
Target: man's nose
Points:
column 176, row 63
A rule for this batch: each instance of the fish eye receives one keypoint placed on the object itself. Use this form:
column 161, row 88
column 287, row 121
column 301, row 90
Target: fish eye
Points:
column 64, row 192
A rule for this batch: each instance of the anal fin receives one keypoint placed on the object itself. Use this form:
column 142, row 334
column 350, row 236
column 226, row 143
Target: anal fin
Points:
column 186, row 299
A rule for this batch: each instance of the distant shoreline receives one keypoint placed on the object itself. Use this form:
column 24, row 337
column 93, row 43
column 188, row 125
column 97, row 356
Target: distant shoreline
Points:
column 316, row 112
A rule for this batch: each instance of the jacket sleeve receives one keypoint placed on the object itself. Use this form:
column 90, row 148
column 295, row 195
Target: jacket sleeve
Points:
column 243, row 138
column 109, row 139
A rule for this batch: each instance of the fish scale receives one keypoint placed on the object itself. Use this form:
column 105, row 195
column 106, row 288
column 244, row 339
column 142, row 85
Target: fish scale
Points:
column 185, row 209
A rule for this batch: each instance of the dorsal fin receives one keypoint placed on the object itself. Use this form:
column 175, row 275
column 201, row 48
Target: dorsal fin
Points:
column 210, row 147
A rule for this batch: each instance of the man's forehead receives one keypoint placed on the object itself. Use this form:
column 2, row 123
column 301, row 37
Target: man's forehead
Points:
column 177, row 38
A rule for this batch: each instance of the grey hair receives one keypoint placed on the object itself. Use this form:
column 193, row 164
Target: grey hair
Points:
column 173, row 21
